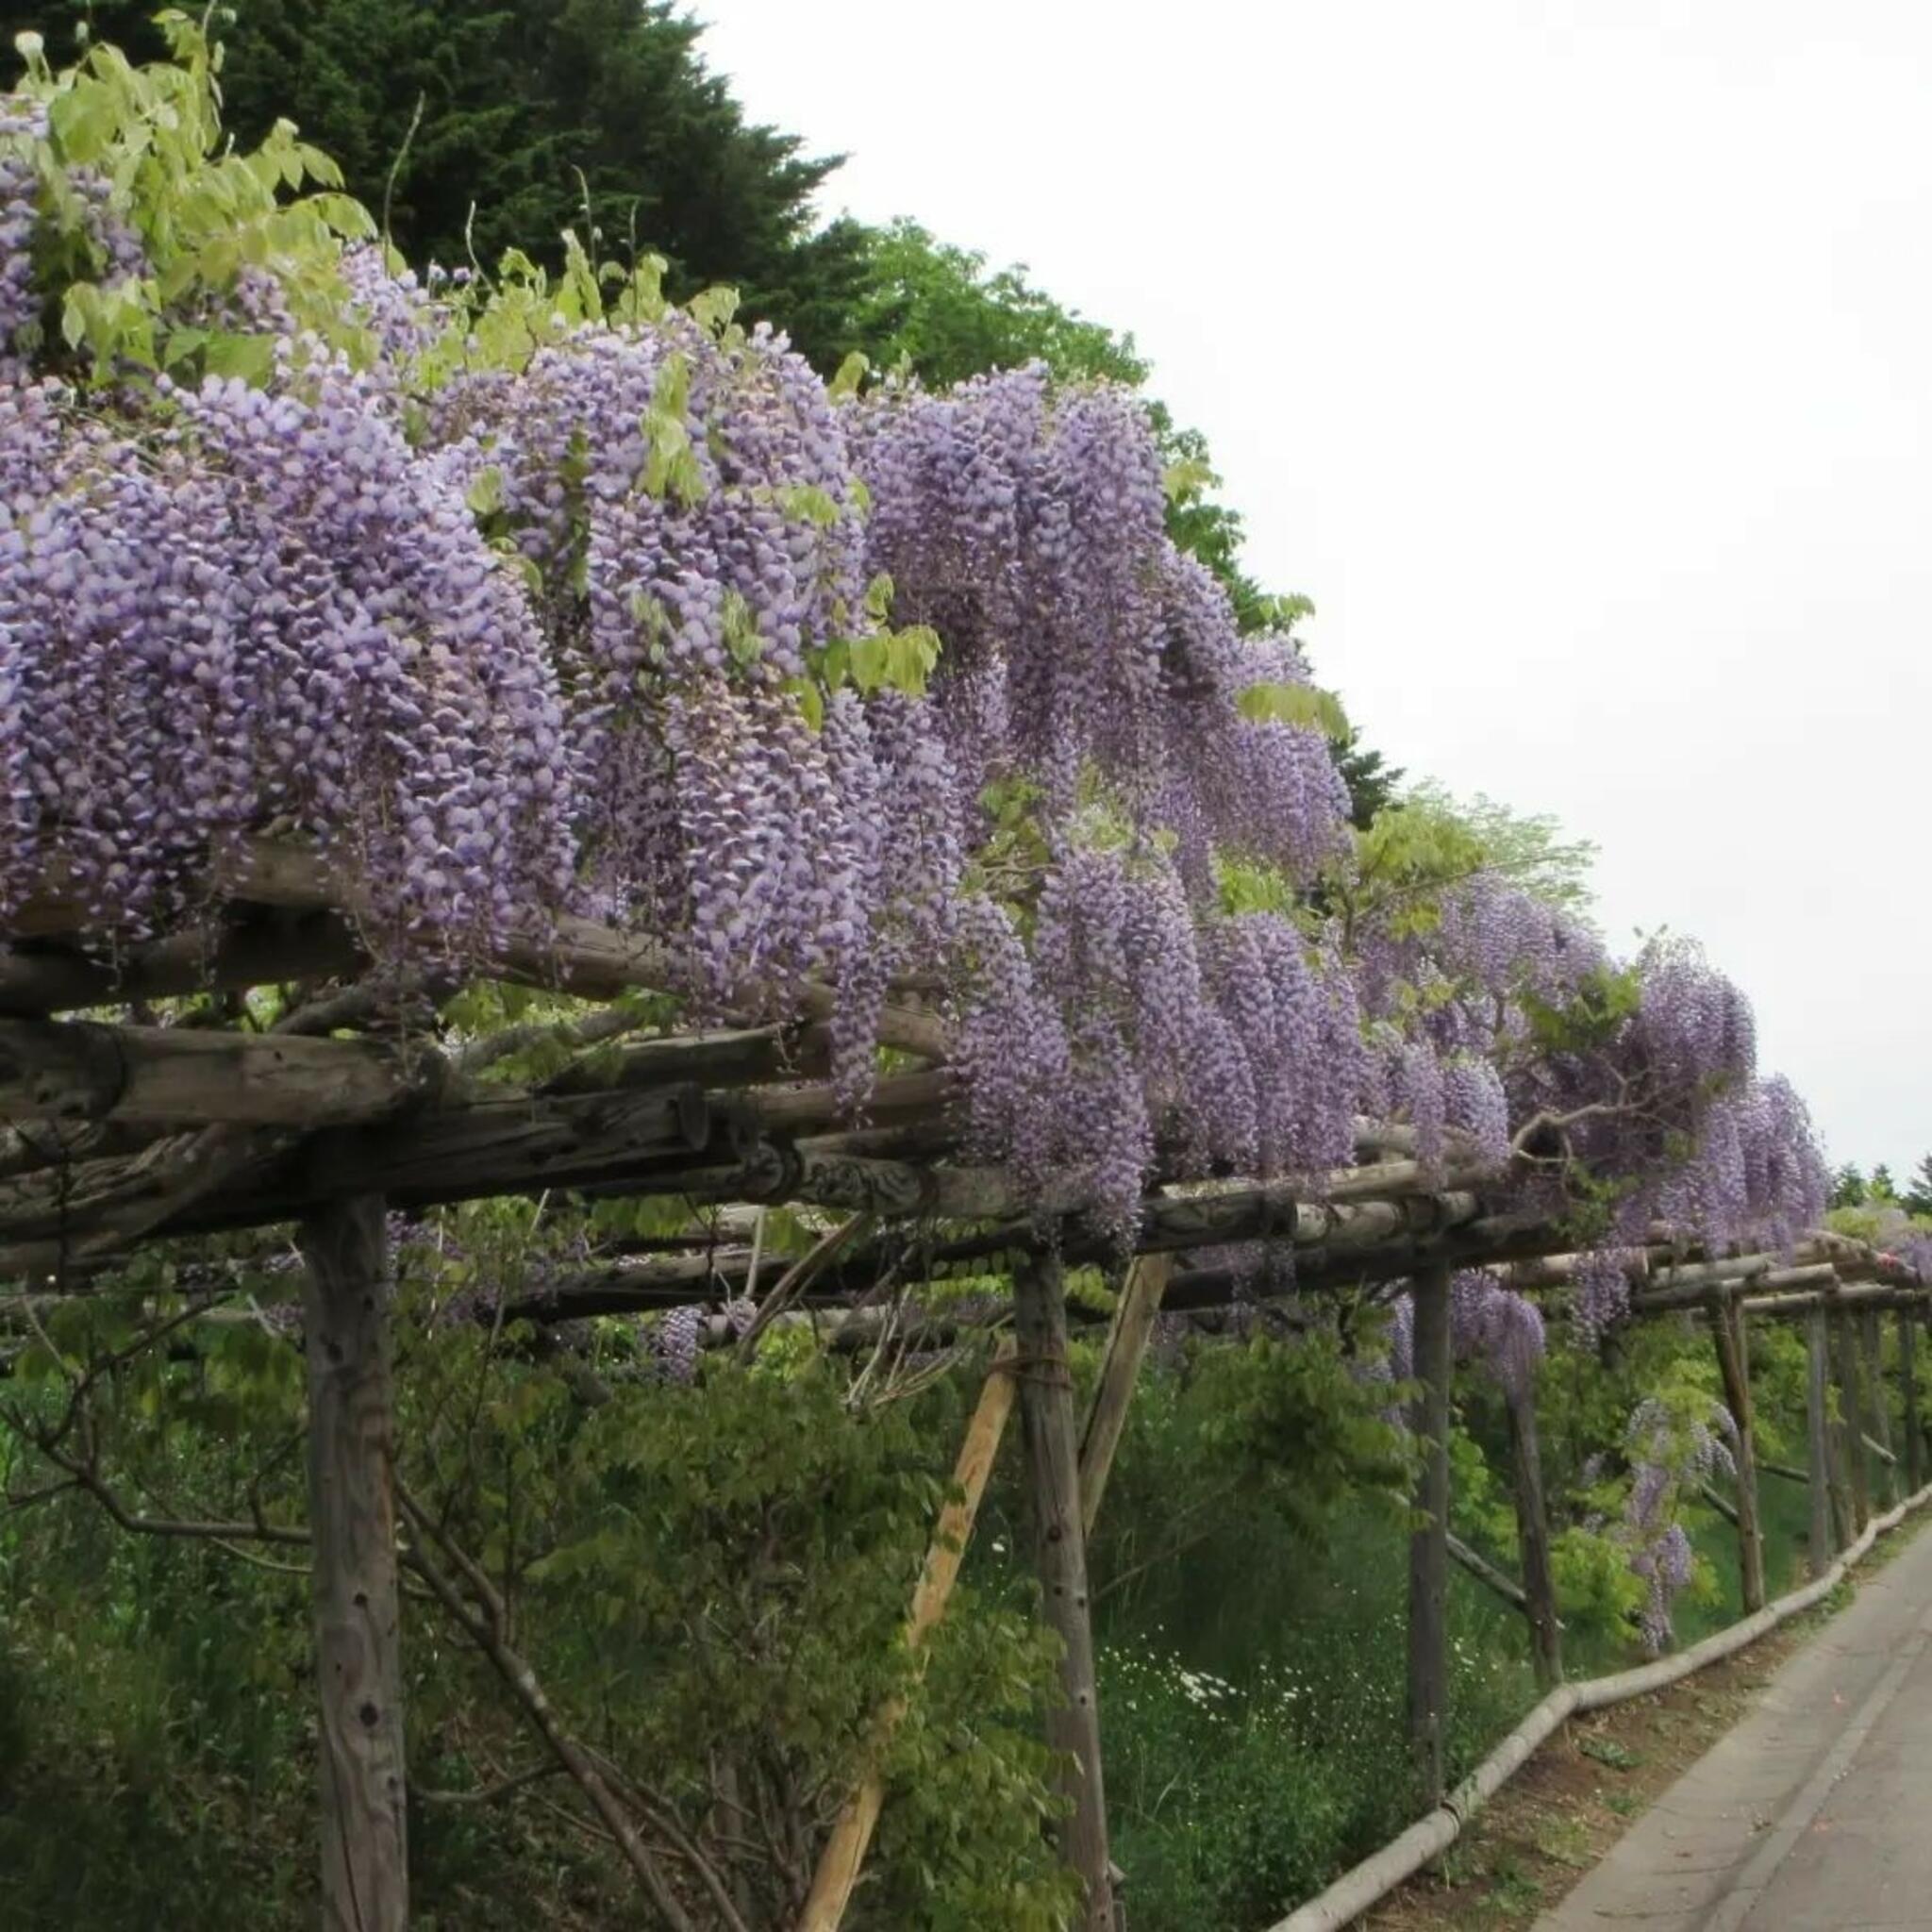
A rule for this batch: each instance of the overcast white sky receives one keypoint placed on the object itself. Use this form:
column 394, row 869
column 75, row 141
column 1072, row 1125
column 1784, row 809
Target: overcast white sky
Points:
column 1575, row 359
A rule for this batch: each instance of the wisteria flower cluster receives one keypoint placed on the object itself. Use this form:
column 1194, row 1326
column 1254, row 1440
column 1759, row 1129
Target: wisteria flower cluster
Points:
column 1489, row 1325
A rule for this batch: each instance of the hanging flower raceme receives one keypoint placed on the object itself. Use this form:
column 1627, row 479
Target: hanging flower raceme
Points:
column 1489, row 1325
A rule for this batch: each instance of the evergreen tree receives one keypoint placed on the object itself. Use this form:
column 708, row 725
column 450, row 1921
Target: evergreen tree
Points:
column 1881, row 1186
column 533, row 115
column 1918, row 1195
column 1848, row 1187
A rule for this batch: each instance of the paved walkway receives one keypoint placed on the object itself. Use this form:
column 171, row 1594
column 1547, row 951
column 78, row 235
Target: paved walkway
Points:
column 1815, row 1813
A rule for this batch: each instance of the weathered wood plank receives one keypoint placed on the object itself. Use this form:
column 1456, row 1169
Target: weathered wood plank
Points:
column 351, row 1520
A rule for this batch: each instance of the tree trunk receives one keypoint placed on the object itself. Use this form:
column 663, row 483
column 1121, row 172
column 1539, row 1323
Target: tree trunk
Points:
column 1909, row 1389
column 1728, row 1326
column 1533, row 1534
column 1820, row 1550
column 1053, row 1470
column 1428, row 1549
column 351, row 1519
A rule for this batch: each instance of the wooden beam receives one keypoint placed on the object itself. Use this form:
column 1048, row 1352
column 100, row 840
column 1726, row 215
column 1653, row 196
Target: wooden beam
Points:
column 1909, row 1389
column 844, row 1852
column 1877, row 1405
column 567, row 955
column 53, row 1069
column 1486, row 1573
column 1127, row 1336
column 1714, row 1284
column 1734, row 1365
column 1533, row 1536
column 1719, row 1502
column 365, row 1885
column 228, row 957
column 1856, row 1477
column 1053, row 1472
column 1820, row 1548
column 1428, row 1547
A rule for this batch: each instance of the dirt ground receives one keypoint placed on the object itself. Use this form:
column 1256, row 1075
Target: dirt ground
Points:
column 1579, row 1794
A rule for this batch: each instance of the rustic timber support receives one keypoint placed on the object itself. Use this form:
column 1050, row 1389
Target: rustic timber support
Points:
column 1820, row 1548
column 1428, row 1549
column 1053, row 1474
column 235, row 954
column 1878, row 1403
column 1734, row 1364
column 1127, row 1336
column 1719, row 1502
column 1851, row 1420
column 568, row 955
column 72, row 1070
column 1486, row 1573
column 1909, row 1392
column 352, row 1521
column 844, row 1852
column 1533, row 1535
column 1710, row 1283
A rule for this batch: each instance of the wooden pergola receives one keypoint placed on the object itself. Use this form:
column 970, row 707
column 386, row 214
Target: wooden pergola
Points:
column 120, row 1132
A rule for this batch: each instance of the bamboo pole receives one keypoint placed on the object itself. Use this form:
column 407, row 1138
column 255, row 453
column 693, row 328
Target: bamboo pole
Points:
column 1047, row 1413
column 1428, row 1550
column 845, row 1849
column 365, row 1868
column 1533, row 1535
column 1120, row 1367
column 1816, row 1428
column 1734, row 1363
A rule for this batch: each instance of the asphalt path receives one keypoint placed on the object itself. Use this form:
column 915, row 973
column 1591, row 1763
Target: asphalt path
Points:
column 1814, row 1814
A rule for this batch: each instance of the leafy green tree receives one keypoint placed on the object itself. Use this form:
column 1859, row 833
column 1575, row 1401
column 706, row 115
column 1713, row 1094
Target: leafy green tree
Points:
column 1881, row 1186
column 536, row 117
column 937, row 309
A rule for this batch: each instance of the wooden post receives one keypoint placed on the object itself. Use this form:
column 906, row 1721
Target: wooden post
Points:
column 1533, row 1535
column 1727, row 1327
column 1851, row 1422
column 1128, row 1337
column 1053, row 1470
column 1878, row 1403
column 844, row 1852
column 1909, row 1389
column 1820, row 1548
column 352, row 1517
column 1428, row 1550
